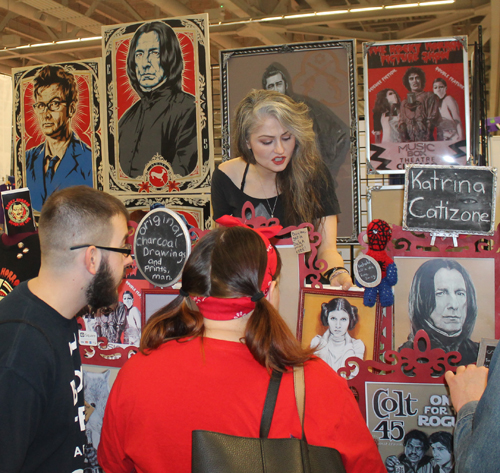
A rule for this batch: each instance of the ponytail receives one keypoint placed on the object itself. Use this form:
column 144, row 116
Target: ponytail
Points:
column 271, row 342
column 172, row 322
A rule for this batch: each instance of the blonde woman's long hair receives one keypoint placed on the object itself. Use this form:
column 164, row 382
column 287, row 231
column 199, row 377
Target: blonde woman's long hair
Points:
column 306, row 175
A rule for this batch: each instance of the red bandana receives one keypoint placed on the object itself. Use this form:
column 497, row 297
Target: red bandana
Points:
column 216, row 308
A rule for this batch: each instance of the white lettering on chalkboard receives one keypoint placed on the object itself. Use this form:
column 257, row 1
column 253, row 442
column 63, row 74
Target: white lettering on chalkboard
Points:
column 443, row 212
column 436, row 183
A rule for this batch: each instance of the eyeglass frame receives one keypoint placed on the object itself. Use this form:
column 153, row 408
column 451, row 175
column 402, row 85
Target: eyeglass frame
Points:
column 46, row 106
column 124, row 251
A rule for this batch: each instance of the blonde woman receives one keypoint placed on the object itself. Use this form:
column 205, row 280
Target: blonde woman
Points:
column 280, row 172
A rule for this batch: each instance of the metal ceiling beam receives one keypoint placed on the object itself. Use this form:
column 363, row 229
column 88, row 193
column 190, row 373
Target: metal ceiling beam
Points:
column 338, row 33
column 443, row 20
column 107, row 12
column 63, row 13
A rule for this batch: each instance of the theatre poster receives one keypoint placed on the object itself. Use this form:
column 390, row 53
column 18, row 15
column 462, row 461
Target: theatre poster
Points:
column 416, row 103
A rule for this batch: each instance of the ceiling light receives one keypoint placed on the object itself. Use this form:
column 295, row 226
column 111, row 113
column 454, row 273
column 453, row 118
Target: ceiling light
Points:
column 356, row 10
column 403, row 5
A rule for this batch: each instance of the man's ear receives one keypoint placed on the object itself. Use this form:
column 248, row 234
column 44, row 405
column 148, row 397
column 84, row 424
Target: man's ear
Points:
column 71, row 109
column 92, row 259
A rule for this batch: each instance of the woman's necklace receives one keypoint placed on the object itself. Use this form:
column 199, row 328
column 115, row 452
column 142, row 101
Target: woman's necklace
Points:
column 271, row 210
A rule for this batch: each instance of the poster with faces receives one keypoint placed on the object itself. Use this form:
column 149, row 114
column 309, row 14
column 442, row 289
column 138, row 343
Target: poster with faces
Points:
column 416, row 103
column 159, row 116
column 58, row 128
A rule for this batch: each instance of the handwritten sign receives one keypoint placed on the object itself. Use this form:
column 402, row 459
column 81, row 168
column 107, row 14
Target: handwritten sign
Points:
column 161, row 247
column 450, row 199
column 486, row 349
column 367, row 271
column 300, row 240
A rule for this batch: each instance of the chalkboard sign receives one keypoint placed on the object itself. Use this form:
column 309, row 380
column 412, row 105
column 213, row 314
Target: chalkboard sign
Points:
column 161, row 247
column 367, row 271
column 450, row 199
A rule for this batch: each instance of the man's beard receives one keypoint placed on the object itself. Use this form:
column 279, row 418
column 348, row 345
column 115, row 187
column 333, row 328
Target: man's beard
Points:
column 102, row 290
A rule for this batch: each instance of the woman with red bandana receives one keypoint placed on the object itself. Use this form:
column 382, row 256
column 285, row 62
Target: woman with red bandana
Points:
column 281, row 173
column 206, row 363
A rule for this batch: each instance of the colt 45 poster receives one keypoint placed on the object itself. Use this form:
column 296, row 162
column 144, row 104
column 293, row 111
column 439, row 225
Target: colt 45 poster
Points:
column 416, row 103
column 412, row 424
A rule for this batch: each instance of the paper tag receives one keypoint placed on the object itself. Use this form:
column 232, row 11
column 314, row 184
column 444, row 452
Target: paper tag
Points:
column 300, row 239
column 87, row 338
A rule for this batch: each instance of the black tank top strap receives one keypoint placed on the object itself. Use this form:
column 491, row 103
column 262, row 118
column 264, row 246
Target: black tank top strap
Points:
column 242, row 187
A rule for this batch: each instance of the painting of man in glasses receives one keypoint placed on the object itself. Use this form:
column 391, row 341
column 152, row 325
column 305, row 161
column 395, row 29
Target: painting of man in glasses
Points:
column 62, row 159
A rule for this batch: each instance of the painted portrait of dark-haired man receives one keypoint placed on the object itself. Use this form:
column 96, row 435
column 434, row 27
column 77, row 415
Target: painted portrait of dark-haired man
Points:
column 163, row 120
column 442, row 301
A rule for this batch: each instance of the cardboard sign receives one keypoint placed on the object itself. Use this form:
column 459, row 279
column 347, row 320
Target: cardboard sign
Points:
column 450, row 199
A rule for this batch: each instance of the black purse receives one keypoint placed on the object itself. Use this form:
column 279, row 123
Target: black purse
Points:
column 213, row 452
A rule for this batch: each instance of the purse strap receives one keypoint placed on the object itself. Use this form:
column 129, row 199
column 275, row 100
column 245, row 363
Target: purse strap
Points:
column 300, row 394
column 270, row 403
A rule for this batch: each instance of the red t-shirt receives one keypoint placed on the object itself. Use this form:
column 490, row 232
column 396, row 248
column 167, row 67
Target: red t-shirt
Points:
column 159, row 399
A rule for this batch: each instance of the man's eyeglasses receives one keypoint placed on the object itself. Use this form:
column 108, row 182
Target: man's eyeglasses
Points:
column 124, row 250
column 55, row 105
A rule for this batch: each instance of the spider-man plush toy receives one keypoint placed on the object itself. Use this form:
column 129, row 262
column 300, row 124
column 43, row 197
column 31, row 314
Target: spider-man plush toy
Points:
column 379, row 233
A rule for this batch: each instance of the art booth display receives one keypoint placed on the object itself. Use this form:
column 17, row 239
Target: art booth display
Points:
column 416, row 103
column 159, row 111
column 320, row 74
column 58, row 128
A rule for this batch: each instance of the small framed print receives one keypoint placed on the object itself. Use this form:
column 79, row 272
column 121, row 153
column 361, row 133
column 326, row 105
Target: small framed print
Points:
column 328, row 316
column 154, row 299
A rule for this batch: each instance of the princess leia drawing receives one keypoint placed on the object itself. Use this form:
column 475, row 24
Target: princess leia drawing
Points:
column 336, row 345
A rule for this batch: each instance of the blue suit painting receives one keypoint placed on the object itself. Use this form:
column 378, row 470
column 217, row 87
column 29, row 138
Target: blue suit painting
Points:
column 74, row 169
column 63, row 159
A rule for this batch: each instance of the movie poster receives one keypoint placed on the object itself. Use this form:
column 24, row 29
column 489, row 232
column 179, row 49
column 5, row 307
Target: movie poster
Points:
column 412, row 424
column 159, row 106
column 416, row 103
column 57, row 128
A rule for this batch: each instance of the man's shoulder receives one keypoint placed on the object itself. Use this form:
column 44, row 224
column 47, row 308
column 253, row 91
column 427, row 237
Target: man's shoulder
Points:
column 35, row 152
column 77, row 142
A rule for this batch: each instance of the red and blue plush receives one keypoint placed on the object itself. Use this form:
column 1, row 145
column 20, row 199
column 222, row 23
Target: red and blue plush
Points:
column 379, row 233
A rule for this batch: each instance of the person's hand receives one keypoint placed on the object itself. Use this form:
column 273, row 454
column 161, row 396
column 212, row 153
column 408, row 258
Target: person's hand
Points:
column 391, row 462
column 467, row 385
column 342, row 279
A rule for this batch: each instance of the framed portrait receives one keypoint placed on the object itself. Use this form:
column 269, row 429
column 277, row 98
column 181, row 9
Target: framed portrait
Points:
column 58, row 128
column 416, row 103
column 320, row 74
column 464, row 299
column 155, row 299
column 159, row 114
column 327, row 316
column 110, row 337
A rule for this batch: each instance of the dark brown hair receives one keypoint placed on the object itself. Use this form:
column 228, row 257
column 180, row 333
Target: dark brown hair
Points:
column 228, row 263
column 339, row 303
column 75, row 216
column 49, row 75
